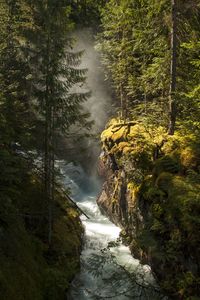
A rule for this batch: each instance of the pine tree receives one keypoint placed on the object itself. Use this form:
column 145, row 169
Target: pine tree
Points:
column 145, row 60
column 188, row 65
column 16, row 117
column 172, row 102
column 117, row 45
column 57, row 83
column 41, row 80
column 14, row 72
column 129, row 51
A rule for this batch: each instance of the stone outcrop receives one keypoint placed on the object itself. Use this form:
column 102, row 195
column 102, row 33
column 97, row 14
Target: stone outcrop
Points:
column 119, row 201
column 150, row 183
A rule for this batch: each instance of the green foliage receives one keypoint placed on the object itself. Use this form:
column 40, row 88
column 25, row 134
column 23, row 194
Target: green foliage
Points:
column 56, row 76
column 87, row 13
column 166, row 164
column 39, row 74
column 36, row 272
column 16, row 121
column 135, row 48
column 162, row 175
column 174, row 220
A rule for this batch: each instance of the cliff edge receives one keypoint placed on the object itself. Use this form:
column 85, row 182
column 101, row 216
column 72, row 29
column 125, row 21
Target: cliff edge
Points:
column 151, row 190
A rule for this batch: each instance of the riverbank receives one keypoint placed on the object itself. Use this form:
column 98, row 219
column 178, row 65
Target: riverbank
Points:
column 30, row 269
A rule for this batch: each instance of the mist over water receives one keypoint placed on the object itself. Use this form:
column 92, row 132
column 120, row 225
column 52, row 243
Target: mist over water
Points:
column 107, row 266
column 99, row 104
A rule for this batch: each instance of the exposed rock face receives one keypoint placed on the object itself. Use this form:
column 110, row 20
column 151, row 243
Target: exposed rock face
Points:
column 149, row 194
column 118, row 201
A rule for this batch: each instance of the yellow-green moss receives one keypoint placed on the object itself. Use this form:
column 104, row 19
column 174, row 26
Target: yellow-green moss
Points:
column 114, row 131
column 124, row 147
column 133, row 191
column 163, row 175
column 133, row 140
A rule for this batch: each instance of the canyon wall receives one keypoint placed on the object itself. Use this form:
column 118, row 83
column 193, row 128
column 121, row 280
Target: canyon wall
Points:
column 151, row 190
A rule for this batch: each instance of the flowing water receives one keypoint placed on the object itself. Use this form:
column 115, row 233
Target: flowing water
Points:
column 108, row 271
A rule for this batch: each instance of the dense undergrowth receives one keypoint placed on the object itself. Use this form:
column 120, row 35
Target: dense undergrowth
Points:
column 29, row 268
column 162, row 178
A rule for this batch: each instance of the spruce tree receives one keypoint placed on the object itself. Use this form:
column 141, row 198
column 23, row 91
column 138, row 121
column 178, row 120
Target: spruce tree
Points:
column 145, row 60
column 14, row 72
column 40, row 82
column 57, row 83
column 16, row 118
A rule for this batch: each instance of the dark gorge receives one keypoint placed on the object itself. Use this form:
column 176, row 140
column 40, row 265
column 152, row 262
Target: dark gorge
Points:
column 99, row 150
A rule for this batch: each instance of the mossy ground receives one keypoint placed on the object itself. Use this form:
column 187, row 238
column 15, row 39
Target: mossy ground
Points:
column 29, row 269
column 163, row 181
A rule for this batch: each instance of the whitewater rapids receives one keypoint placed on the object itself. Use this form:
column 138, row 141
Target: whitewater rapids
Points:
column 108, row 270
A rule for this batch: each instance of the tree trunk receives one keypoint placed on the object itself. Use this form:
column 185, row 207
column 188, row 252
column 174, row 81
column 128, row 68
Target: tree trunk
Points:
column 47, row 165
column 172, row 95
column 48, row 172
column 123, row 104
column 51, row 172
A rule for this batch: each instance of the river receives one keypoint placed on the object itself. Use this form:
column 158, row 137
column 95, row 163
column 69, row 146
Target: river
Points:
column 108, row 270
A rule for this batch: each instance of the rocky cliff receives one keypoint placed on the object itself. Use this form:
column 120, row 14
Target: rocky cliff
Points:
column 151, row 190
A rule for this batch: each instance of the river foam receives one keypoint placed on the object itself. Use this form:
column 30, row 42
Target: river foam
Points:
column 108, row 270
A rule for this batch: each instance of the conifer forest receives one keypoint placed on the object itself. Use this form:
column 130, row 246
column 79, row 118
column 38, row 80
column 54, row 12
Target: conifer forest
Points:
column 99, row 149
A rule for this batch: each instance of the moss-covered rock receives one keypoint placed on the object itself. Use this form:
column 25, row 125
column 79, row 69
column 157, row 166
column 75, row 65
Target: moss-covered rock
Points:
column 157, row 200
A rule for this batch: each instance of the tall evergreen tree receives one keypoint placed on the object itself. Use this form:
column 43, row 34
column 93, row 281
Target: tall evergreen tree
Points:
column 141, row 44
column 41, row 80
column 16, row 117
column 57, row 82
column 14, row 71
column 172, row 101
